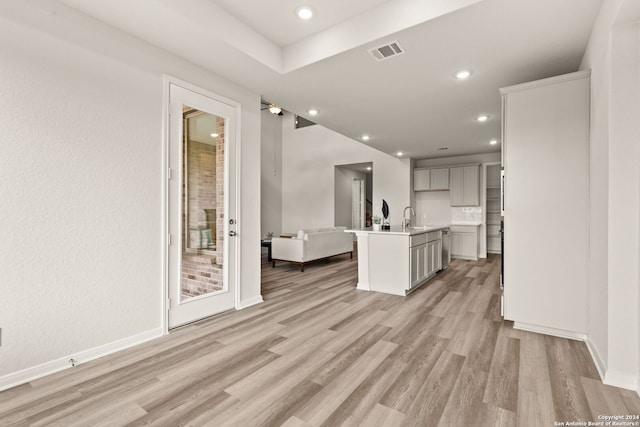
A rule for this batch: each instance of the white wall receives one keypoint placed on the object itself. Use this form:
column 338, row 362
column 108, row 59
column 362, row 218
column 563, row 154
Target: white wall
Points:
column 81, row 189
column 613, row 55
column 271, row 173
column 309, row 156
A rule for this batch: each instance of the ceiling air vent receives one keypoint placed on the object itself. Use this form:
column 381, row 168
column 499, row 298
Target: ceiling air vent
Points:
column 386, row 51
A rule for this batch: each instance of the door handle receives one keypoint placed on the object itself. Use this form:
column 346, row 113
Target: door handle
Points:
column 232, row 233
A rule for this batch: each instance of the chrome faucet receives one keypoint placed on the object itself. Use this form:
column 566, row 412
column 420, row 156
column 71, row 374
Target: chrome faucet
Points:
column 406, row 223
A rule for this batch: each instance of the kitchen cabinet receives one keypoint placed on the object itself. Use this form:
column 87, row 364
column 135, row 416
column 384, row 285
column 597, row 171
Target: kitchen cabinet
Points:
column 430, row 179
column 546, row 163
column 464, row 241
column 434, row 257
column 398, row 261
column 418, row 264
column 425, row 256
column 421, row 180
column 464, row 185
column 439, row 179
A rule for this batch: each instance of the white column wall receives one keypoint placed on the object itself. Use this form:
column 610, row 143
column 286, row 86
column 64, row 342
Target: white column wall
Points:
column 613, row 55
column 597, row 58
column 624, row 206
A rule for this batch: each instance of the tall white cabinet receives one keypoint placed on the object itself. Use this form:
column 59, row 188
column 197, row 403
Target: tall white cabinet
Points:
column 545, row 159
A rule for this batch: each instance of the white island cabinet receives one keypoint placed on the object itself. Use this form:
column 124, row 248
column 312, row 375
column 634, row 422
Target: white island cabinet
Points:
column 397, row 261
column 425, row 256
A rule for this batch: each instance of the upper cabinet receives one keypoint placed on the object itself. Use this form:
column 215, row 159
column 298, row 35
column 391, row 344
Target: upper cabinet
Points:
column 430, row 179
column 421, row 180
column 465, row 185
column 440, row 179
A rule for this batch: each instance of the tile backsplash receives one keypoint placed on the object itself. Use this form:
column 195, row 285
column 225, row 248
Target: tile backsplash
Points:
column 434, row 208
column 466, row 214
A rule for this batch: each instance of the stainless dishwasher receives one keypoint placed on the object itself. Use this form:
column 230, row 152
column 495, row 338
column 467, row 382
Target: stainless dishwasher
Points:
column 446, row 241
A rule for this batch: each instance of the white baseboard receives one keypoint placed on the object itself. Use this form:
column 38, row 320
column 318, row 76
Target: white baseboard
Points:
column 48, row 368
column 363, row 286
column 611, row 377
column 250, row 302
column 608, row 377
column 597, row 360
column 550, row 331
column 620, row 380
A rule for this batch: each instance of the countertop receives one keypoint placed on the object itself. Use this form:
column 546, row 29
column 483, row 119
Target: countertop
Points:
column 397, row 230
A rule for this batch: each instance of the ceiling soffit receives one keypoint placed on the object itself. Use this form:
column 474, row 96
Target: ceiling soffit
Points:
column 197, row 17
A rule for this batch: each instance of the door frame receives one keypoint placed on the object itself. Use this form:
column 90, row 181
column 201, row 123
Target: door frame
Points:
column 483, row 205
column 168, row 80
column 361, row 183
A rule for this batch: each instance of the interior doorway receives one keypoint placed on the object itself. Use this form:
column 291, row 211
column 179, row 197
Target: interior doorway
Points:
column 358, row 203
column 353, row 192
column 201, row 206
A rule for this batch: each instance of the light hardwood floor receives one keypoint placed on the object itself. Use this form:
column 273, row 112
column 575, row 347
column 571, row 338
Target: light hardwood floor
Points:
column 318, row 352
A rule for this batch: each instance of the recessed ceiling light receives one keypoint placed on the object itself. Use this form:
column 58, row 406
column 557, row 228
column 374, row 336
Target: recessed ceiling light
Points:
column 493, row 142
column 304, row 12
column 463, row 74
column 313, row 112
column 368, row 168
column 366, row 137
column 482, row 118
column 215, row 135
column 400, row 154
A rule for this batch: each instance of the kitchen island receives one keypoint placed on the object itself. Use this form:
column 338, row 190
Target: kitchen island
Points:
column 398, row 260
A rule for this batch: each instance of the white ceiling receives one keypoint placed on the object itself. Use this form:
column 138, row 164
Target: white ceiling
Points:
column 276, row 20
column 410, row 102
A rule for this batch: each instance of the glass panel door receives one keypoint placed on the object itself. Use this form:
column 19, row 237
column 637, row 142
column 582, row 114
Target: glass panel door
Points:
column 203, row 228
column 201, row 206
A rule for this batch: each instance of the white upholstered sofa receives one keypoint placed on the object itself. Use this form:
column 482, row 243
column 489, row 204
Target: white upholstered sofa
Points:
column 310, row 245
